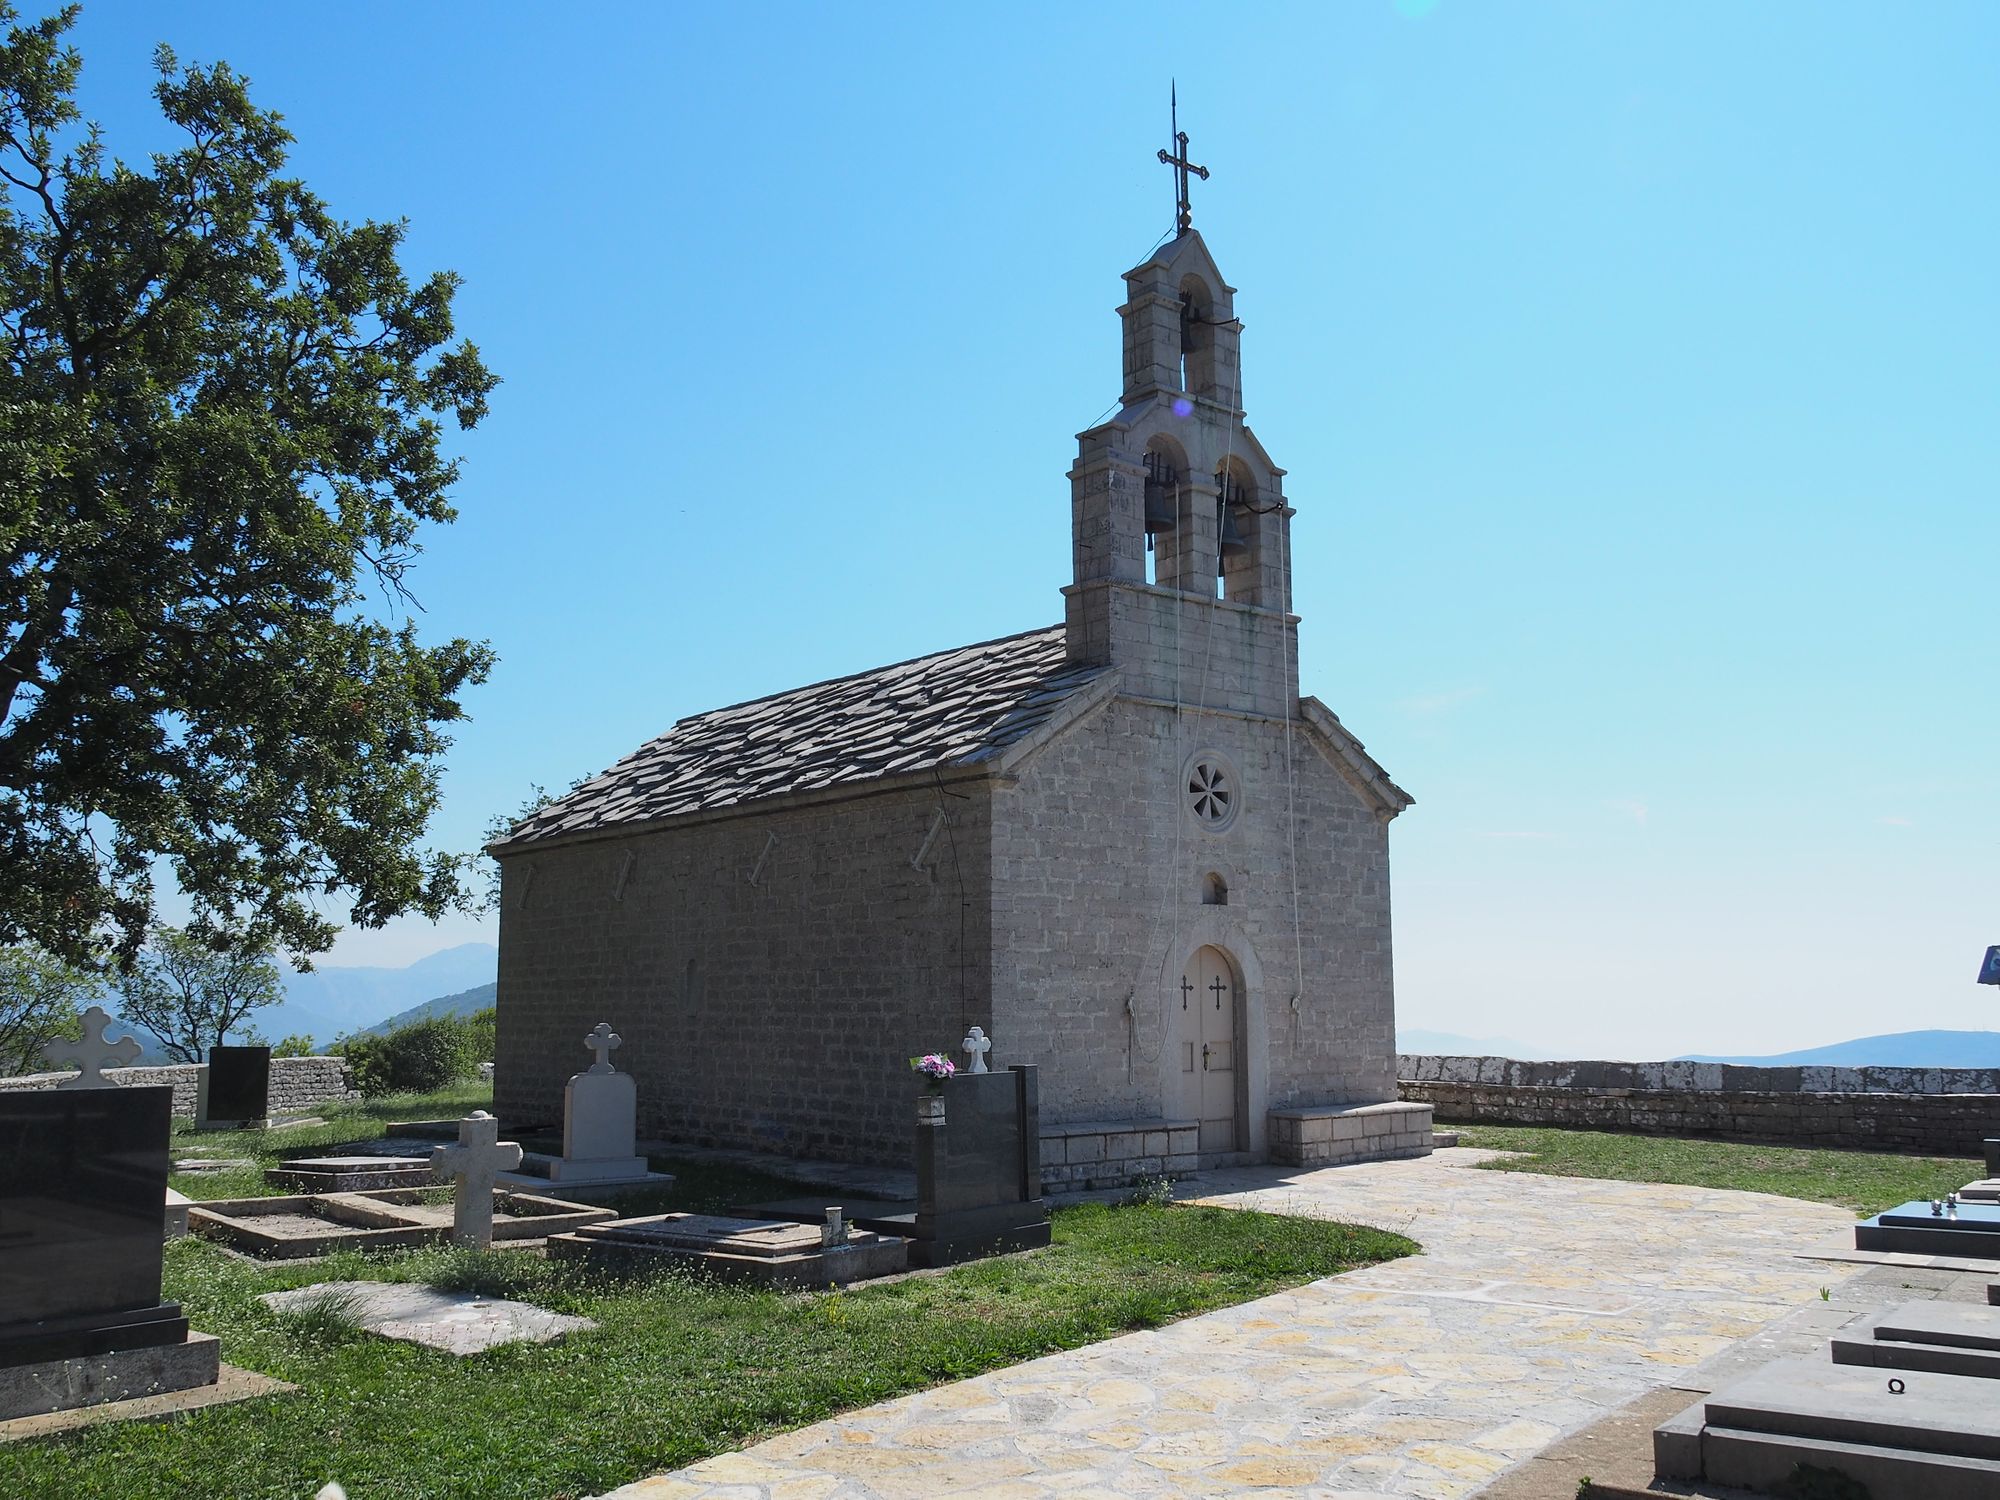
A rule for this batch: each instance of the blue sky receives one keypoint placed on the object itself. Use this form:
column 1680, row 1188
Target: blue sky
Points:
column 1635, row 367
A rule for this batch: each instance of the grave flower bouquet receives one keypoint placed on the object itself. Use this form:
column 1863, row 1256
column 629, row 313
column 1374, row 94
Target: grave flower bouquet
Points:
column 935, row 1067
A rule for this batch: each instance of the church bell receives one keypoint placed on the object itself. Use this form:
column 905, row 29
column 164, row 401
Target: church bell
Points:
column 1161, row 484
column 1232, row 540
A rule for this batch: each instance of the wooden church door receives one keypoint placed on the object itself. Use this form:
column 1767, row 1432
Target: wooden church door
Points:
column 1207, row 1014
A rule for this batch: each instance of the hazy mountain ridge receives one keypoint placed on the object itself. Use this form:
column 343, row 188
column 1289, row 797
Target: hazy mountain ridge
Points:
column 462, row 1004
column 1896, row 1049
column 1415, row 1039
column 331, row 1001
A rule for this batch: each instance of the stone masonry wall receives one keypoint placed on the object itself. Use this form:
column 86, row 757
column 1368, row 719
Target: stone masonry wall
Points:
column 777, row 1014
column 297, row 1083
column 1517, row 1073
column 1715, row 1100
column 1098, row 871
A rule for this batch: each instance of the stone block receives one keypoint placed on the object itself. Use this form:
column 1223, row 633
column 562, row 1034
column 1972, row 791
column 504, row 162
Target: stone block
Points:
column 1085, row 1148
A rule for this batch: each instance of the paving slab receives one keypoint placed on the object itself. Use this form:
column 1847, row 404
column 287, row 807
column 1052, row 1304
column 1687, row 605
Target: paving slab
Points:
column 1540, row 1306
column 456, row 1322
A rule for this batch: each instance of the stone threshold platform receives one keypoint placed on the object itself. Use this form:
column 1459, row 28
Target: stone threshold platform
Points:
column 294, row 1228
column 541, row 1172
column 1925, row 1437
column 1946, row 1338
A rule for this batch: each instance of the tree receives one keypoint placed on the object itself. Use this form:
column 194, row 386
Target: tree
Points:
column 190, row 992
column 219, row 439
column 41, row 999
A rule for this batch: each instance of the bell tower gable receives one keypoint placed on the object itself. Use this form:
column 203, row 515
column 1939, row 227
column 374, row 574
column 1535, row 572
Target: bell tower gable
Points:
column 1180, row 527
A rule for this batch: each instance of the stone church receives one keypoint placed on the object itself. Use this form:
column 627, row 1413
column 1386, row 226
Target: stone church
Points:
column 1125, row 846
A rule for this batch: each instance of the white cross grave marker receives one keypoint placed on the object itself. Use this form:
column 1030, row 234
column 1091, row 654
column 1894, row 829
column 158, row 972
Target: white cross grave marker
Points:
column 475, row 1161
column 601, row 1041
column 977, row 1046
column 92, row 1053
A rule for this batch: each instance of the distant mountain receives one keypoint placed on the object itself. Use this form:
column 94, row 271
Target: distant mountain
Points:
column 1897, row 1049
column 1414, row 1039
column 330, row 1002
column 462, row 1004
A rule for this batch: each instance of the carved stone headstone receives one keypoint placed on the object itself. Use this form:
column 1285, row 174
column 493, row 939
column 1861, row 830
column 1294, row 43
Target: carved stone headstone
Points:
column 479, row 1157
column 92, row 1054
column 600, row 1119
column 976, row 1046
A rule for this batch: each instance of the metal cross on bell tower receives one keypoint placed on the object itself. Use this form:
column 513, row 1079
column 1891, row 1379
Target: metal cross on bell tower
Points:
column 1178, row 160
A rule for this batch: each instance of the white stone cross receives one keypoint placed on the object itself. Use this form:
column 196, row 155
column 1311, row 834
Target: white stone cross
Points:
column 92, row 1053
column 977, row 1046
column 475, row 1161
column 601, row 1041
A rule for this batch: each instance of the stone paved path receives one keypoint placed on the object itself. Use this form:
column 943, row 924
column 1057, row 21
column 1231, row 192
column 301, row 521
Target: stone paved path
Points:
column 1539, row 1304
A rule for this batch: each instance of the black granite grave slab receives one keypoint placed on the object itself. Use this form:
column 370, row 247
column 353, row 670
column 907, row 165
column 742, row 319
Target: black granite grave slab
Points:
column 979, row 1171
column 239, row 1085
column 83, row 1175
column 1972, row 1232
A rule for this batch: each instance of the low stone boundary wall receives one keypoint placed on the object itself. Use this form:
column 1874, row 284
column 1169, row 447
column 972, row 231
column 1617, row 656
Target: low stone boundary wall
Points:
column 297, row 1083
column 1330, row 1134
column 1096, row 1154
column 1513, row 1072
column 1716, row 1103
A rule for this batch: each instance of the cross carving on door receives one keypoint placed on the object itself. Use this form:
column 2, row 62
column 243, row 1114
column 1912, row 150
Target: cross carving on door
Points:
column 1218, row 989
column 1187, row 989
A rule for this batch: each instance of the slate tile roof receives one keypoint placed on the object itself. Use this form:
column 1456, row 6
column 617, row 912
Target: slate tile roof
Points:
column 956, row 708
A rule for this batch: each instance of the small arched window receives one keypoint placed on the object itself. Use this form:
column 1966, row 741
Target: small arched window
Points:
column 1214, row 890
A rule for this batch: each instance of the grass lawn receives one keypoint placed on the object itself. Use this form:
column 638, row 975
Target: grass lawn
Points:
column 1865, row 1181
column 678, row 1368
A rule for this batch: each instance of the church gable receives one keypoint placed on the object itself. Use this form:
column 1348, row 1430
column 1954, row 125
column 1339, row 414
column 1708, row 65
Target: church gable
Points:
column 953, row 710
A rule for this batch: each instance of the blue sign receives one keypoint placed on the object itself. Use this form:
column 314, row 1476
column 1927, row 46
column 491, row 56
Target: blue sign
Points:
column 1989, row 972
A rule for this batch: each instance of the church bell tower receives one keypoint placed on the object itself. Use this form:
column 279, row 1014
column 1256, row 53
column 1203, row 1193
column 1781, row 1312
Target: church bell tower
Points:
column 1180, row 529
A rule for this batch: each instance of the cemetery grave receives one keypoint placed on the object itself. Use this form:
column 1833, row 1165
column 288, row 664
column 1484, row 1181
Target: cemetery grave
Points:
column 84, row 1214
column 291, row 1227
column 234, row 1091
column 350, row 1174
column 600, row 1132
column 1940, row 1226
column 459, row 1323
column 762, row 1251
column 978, row 1159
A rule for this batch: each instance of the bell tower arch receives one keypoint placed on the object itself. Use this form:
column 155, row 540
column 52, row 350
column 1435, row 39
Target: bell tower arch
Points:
column 1177, row 473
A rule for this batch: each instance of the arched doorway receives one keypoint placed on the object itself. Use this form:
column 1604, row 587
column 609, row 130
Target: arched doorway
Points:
column 1204, row 1009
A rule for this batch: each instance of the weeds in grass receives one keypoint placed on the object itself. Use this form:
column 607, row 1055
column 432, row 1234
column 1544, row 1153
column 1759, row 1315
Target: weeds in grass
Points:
column 1155, row 1190
column 330, row 1316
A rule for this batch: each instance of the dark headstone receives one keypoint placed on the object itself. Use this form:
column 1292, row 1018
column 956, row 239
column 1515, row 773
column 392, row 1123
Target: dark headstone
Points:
column 1992, row 1145
column 239, row 1085
column 83, row 1183
column 979, row 1170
